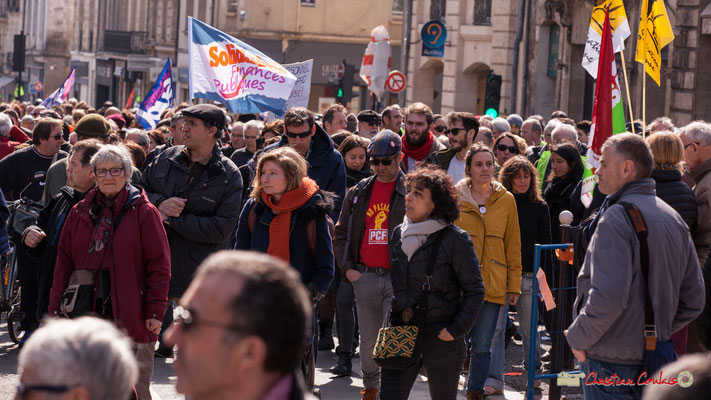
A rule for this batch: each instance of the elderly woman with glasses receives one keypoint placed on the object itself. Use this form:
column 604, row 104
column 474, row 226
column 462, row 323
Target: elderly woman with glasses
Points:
column 117, row 235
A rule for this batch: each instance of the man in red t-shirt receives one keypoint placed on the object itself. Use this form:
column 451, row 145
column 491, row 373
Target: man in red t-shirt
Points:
column 371, row 210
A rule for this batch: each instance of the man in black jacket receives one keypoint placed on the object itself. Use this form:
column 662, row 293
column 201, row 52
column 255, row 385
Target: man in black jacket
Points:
column 42, row 238
column 198, row 193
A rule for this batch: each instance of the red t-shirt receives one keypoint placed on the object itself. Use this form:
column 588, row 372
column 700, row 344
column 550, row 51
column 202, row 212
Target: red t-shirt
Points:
column 374, row 248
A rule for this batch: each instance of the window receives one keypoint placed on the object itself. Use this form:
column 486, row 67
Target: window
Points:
column 231, row 6
column 553, row 40
column 482, row 12
column 398, row 6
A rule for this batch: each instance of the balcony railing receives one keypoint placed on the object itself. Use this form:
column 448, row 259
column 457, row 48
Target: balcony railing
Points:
column 125, row 42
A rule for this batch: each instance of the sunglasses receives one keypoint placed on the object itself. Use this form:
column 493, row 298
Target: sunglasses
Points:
column 377, row 161
column 57, row 137
column 113, row 171
column 511, row 149
column 23, row 389
column 294, row 135
column 439, row 128
column 453, row 131
column 186, row 321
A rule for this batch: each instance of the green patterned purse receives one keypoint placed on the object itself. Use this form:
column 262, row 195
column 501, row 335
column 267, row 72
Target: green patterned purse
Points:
column 396, row 347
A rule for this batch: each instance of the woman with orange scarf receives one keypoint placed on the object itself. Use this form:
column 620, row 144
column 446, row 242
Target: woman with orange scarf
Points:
column 286, row 217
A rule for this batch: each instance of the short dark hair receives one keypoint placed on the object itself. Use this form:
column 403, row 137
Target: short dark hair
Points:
column 389, row 109
column 299, row 115
column 469, row 120
column 558, row 114
column 536, row 126
column 43, row 129
column 272, row 304
column 477, row 147
column 89, row 147
column 329, row 114
column 584, row 126
column 351, row 142
column 444, row 195
column 632, row 147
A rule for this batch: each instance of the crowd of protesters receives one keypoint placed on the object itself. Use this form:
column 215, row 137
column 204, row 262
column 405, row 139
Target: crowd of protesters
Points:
column 377, row 214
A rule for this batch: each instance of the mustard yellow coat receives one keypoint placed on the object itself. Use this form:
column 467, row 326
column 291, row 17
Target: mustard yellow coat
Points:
column 496, row 237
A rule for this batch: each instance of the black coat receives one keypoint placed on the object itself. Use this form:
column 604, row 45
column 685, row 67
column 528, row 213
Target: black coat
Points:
column 457, row 289
column 535, row 227
column 51, row 220
column 703, row 323
column 557, row 194
column 677, row 194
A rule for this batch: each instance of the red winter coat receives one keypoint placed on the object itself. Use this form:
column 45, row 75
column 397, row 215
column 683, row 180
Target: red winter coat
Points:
column 7, row 146
column 140, row 273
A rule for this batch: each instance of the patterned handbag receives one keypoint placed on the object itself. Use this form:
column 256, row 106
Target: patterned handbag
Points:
column 396, row 347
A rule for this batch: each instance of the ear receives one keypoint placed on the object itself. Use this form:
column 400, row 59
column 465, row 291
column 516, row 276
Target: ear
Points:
column 313, row 129
column 250, row 353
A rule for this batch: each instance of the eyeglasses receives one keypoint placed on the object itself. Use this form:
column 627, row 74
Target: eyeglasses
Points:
column 23, row 389
column 294, row 135
column 440, row 128
column 113, row 171
column 377, row 161
column 503, row 147
column 187, row 321
column 57, row 137
column 453, row 131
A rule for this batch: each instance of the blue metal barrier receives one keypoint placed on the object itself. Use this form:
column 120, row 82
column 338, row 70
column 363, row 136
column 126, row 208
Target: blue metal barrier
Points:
column 531, row 356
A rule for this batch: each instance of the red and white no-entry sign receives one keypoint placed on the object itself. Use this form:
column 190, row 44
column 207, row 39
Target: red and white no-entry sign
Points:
column 395, row 82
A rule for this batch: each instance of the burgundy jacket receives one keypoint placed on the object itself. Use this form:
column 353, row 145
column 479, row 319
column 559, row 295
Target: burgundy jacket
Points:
column 140, row 272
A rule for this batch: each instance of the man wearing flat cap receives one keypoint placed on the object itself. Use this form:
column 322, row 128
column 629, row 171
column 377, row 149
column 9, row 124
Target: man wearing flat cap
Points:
column 371, row 211
column 368, row 123
column 198, row 193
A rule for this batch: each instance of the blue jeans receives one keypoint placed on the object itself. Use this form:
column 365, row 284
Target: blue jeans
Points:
column 523, row 315
column 597, row 370
column 480, row 338
column 495, row 378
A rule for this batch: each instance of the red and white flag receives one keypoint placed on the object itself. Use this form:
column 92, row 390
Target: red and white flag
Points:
column 376, row 60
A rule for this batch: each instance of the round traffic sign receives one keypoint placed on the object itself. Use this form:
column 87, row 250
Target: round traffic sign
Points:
column 395, row 82
column 38, row 86
column 341, row 71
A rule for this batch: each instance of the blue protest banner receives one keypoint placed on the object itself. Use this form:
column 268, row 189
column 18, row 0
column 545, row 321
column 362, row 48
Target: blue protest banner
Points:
column 158, row 99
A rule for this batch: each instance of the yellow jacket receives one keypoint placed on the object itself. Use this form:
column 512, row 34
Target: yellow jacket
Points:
column 496, row 237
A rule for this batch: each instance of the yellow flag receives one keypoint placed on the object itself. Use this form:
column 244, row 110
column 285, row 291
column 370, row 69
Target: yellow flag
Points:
column 655, row 32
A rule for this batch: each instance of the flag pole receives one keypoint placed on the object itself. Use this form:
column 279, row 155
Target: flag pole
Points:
column 627, row 87
column 644, row 99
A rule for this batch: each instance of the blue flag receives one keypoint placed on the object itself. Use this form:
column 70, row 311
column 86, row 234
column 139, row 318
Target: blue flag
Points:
column 158, row 99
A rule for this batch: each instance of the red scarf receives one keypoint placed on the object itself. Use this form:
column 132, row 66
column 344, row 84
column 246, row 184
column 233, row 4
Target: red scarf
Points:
column 279, row 228
column 421, row 152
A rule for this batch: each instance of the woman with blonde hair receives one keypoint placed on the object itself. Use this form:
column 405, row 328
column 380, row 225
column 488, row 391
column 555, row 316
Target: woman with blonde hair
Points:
column 668, row 152
column 286, row 217
column 488, row 214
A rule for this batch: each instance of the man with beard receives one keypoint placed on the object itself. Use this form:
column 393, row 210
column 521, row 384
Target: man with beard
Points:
column 368, row 124
column 462, row 128
column 419, row 145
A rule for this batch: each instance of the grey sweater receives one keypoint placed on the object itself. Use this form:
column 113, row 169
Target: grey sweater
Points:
column 610, row 299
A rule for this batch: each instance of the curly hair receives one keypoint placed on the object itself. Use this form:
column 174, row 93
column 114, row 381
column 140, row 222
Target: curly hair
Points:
column 444, row 195
column 512, row 167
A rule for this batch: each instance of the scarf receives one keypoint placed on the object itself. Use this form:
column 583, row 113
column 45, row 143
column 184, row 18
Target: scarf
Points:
column 421, row 152
column 103, row 212
column 414, row 235
column 279, row 228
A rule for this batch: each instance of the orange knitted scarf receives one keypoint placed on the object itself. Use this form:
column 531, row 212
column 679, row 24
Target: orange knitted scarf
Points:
column 279, row 228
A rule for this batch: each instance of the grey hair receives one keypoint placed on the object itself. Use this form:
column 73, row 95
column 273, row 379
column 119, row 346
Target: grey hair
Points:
column 254, row 124
column 145, row 139
column 487, row 134
column 698, row 131
column 561, row 128
column 114, row 152
column 552, row 124
column 632, row 147
column 499, row 125
column 87, row 352
column 5, row 124
column 236, row 124
column 536, row 126
column 26, row 118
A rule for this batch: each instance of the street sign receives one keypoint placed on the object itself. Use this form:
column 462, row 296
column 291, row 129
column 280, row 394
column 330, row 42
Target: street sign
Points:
column 395, row 82
column 341, row 71
column 434, row 35
column 38, row 86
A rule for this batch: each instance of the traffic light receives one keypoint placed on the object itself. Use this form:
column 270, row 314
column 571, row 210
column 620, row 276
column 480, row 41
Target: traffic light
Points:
column 492, row 97
column 344, row 91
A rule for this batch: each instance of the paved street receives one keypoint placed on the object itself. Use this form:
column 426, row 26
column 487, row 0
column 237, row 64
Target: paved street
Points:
column 341, row 388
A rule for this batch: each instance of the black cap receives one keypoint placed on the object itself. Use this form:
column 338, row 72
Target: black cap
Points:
column 212, row 115
column 369, row 116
